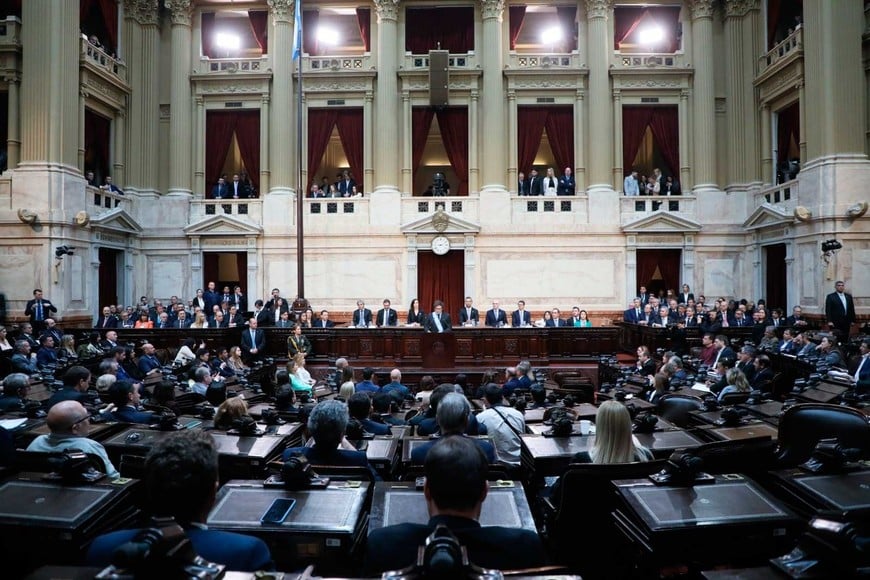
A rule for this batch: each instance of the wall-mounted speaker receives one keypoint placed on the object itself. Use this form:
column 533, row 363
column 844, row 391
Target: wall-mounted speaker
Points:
column 439, row 78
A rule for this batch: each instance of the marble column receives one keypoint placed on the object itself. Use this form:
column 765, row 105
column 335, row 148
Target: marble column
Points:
column 579, row 142
column 704, row 117
column 180, row 100
column 767, row 176
column 474, row 158
column 493, row 170
column 802, row 116
column 282, row 138
column 387, row 103
column 513, row 141
column 598, row 15
column 119, row 156
column 264, row 143
column 407, row 145
column 617, row 140
column 368, row 144
column 83, row 95
column 685, row 140
column 13, row 137
column 200, row 181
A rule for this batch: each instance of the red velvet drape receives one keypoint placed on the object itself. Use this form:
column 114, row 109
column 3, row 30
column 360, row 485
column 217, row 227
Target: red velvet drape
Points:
column 210, row 267
column 350, row 131
column 10, row 8
column 530, row 129
column 100, row 17
column 242, row 269
column 364, row 21
column 665, row 126
column 666, row 262
column 625, row 19
column 421, row 123
column 788, row 126
column 248, row 137
column 567, row 16
column 259, row 20
column 560, row 132
column 441, row 278
column 773, row 9
column 452, row 27
column 453, row 122
column 635, row 120
column 310, row 46
column 98, row 131
column 219, row 127
column 321, row 122
column 516, row 17
column 207, row 34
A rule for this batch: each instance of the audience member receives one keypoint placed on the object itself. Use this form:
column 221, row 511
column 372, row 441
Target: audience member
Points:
column 614, row 441
column 504, row 425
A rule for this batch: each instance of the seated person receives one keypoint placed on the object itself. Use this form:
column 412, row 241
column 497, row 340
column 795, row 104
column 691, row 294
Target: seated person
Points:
column 46, row 355
column 230, row 411
column 181, row 481
column 285, row 397
column 395, row 388
column 384, row 405
column 295, row 381
column 452, row 416
column 360, row 408
column 163, row 397
column 15, row 389
column 76, row 381
column 455, row 489
column 736, row 382
column 69, row 423
column 125, row 396
column 721, row 380
column 327, row 425
column 428, row 425
column 614, row 441
column 23, row 360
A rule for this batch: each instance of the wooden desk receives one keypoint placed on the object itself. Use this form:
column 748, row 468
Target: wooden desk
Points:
column 750, row 431
column 382, row 453
column 809, row 493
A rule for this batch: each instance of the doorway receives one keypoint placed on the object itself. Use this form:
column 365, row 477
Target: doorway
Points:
column 441, row 278
column 775, row 277
column 659, row 270
column 225, row 269
column 111, row 262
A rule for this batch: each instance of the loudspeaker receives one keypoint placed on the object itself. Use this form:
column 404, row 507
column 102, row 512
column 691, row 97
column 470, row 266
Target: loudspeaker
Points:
column 439, row 78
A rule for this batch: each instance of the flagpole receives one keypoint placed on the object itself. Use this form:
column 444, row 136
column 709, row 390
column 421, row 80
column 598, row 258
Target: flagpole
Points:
column 300, row 187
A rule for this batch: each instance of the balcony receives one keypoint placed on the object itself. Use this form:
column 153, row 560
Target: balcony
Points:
column 338, row 64
column 100, row 201
column 247, row 210
column 544, row 61
column 632, row 208
column 414, row 208
column 420, row 62
column 102, row 61
column 783, row 195
column 649, row 61
column 789, row 49
column 10, row 33
column 225, row 66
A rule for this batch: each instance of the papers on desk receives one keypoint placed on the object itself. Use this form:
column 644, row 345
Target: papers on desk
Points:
column 701, row 387
column 10, row 424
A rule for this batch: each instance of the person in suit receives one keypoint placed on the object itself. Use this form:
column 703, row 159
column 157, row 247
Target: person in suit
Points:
column 536, row 184
column 111, row 187
column 261, row 314
column 634, row 313
column 452, row 418
column 211, row 297
column 53, row 330
column 76, row 381
column 522, row 184
column 199, row 300
column 346, row 184
column 643, row 295
column 686, row 295
column 362, row 316
column 387, row 316
column 469, row 316
column 359, row 407
column 298, row 342
column 567, row 185
column 455, row 489
column 763, row 374
column 555, row 319
column 796, row 320
column 689, row 320
column 126, row 398
column 520, row 316
column 253, row 340
column 239, row 299
column 746, row 362
column 324, row 321
column 284, row 321
column 840, row 310
column 220, row 189
column 438, row 320
column 662, row 319
column 861, row 368
column 416, row 317
column 181, row 320
column 181, row 481
column 722, row 349
column 110, row 342
column 238, row 188
column 38, row 310
column 495, row 316
column 646, row 366
column 106, row 319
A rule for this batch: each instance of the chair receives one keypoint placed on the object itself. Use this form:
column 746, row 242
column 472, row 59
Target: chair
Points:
column 43, row 462
column 802, row 426
column 734, row 398
column 677, row 408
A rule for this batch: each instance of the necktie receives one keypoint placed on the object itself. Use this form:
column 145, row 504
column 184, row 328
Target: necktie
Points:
column 105, row 321
column 637, row 313
column 39, row 310
column 253, row 339
column 385, row 317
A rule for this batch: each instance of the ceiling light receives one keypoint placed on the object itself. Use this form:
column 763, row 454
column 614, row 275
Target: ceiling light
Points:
column 327, row 35
column 651, row 35
column 551, row 35
column 228, row 41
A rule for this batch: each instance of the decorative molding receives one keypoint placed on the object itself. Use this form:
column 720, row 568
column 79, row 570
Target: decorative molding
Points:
column 598, row 8
column 492, row 9
column 232, row 88
column 165, row 112
column 387, row 10
column 282, row 10
column 702, row 8
column 337, row 85
column 740, row 8
column 649, row 83
column 144, row 12
column 539, row 82
column 180, row 11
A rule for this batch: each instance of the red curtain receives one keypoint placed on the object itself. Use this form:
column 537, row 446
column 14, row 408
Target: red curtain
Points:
column 567, row 16
column 242, row 269
column 421, row 123
column 652, row 263
column 207, row 34
column 210, row 268
column 350, row 131
column 364, row 21
column 259, row 20
column 453, row 122
column 665, row 127
column 560, row 132
column 321, row 122
column 635, row 120
column 310, row 19
column 788, row 126
column 219, row 127
column 100, row 17
column 452, row 27
column 441, row 278
column 625, row 20
column 248, row 137
column 516, row 17
column 98, row 131
column 773, row 10
column 530, row 129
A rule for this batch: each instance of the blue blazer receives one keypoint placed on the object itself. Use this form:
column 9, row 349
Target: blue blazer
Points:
column 235, row 551
column 131, row 415
column 418, row 455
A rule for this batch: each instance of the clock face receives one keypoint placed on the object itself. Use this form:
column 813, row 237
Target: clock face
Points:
column 440, row 245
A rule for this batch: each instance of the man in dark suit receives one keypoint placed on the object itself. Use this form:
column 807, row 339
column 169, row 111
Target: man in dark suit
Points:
column 469, row 316
column 840, row 310
column 796, row 320
column 646, row 366
column 181, row 482
column 495, row 316
column 211, row 297
column 324, row 321
column 387, row 316
column 522, row 184
column 362, row 316
column 346, row 184
column 220, row 190
column 261, row 314
column 556, row 320
column 455, row 488
column 253, row 340
column 106, row 319
column 38, row 309
column 239, row 299
column 438, row 320
column 76, row 381
column 689, row 320
column 536, row 184
column 746, row 362
column 567, row 185
column 643, row 295
column 110, row 342
column 723, row 350
column 521, row 316
column 181, row 320
column 634, row 312
column 125, row 396
column 239, row 189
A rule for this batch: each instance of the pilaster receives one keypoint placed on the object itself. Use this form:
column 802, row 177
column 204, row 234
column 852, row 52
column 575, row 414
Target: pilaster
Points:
column 282, row 110
column 180, row 101
column 387, row 96
column 493, row 168
column 704, row 165
column 601, row 113
column 13, row 138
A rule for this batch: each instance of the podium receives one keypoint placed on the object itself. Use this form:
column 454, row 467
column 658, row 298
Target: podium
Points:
column 438, row 350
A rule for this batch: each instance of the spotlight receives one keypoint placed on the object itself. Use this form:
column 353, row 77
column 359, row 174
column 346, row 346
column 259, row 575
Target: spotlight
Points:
column 228, row 41
column 552, row 35
column 651, row 35
column 831, row 246
column 327, row 35
column 61, row 251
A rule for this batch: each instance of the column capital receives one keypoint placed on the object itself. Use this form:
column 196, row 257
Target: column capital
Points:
column 180, row 11
column 282, row 10
column 701, row 9
column 598, row 8
column 12, row 77
column 740, row 8
column 492, row 9
column 387, row 9
column 145, row 12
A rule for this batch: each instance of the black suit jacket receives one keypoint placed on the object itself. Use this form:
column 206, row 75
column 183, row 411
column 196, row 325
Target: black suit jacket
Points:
column 494, row 318
column 319, row 324
column 518, row 320
column 463, row 315
column 259, row 341
column 392, row 318
column 345, row 188
column 110, row 322
column 536, row 187
column 445, row 323
column 47, row 309
column 361, row 319
column 836, row 315
column 556, row 322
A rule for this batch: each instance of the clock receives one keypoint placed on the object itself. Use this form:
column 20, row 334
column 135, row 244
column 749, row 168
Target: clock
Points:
column 440, row 245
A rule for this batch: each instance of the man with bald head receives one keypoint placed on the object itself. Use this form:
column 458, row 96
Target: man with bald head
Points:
column 148, row 362
column 69, row 423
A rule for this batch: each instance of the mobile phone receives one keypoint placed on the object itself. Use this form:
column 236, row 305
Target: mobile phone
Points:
column 278, row 511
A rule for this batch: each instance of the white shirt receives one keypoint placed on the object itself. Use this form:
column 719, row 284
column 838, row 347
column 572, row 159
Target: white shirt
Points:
column 503, row 437
column 860, row 366
column 630, row 187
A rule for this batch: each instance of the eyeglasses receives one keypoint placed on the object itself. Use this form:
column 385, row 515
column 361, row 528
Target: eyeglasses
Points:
column 82, row 420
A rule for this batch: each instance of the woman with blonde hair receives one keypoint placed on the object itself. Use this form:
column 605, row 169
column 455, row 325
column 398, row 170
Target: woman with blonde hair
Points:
column 735, row 383
column 346, row 391
column 68, row 346
column 235, row 361
column 301, row 373
column 614, row 442
column 229, row 411
column 199, row 320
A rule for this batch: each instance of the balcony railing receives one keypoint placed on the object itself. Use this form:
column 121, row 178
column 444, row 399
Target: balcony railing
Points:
column 101, row 59
column 10, row 31
column 792, row 44
column 413, row 208
column 633, row 207
column 526, row 61
column 248, row 210
column 234, row 65
column 648, row 61
column 101, row 201
column 454, row 61
column 784, row 195
column 338, row 64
